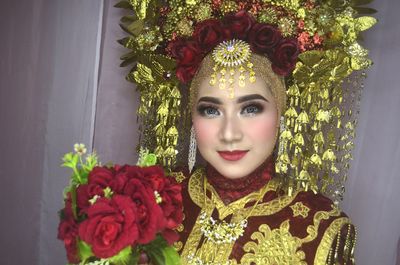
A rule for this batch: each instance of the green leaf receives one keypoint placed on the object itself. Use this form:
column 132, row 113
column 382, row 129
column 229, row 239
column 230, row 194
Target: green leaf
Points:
column 134, row 257
column 365, row 10
column 85, row 250
column 75, row 159
column 310, row 58
column 67, row 157
column 364, row 23
column 141, row 7
column 125, row 28
column 73, row 201
column 123, row 257
column 128, row 55
column 156, row 256
column 128, row 62
column 136, row 27
column 171, row 256
column 123, row 4
column 360, row 2
column 126, row 19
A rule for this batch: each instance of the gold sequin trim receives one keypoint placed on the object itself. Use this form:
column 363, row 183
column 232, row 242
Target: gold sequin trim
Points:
column 322, row 254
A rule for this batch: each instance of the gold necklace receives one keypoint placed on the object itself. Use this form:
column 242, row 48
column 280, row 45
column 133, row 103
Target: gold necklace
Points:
column 221, row 232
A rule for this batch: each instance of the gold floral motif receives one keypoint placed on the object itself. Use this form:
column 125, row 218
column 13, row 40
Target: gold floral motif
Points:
column 274, row 247
column 312, row 230
column 178, row 245
column 179, row 176
column 299, row 209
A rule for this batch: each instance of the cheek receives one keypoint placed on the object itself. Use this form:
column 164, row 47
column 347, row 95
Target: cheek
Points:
column 263, row 130
column 205, row 130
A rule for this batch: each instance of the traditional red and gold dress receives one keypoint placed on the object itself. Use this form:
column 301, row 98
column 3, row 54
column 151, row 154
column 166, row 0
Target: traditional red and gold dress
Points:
column 300, row 229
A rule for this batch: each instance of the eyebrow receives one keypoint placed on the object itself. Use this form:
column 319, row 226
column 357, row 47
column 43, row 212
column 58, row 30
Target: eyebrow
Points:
column 242, row 99
column 210, row 99
column 250, row 97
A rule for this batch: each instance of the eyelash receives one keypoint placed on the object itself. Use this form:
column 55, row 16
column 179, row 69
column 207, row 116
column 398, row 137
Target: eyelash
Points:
column 256, row 109
column 203, row 108
column 257, row 106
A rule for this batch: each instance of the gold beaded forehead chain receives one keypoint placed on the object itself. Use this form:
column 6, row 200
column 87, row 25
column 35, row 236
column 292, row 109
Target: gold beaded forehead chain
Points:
column 229, row 57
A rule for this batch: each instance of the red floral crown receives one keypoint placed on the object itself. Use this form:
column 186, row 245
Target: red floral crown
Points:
column 263, row 38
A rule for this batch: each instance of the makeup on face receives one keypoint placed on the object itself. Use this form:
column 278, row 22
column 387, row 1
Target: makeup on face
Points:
column 235, row 135
column 233, row 155
column 250, row 105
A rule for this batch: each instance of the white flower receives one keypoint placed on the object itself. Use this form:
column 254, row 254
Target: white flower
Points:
column 80, row 149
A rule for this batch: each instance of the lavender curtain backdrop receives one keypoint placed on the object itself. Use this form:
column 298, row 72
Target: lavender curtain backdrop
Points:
column 60, row 83
column 50, row 51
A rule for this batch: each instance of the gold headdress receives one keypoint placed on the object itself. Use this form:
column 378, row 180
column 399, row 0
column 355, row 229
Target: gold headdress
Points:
column 169, row 39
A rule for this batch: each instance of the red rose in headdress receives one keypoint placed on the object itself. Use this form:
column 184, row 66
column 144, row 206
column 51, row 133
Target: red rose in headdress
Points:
column 209, row 33
column 285, row 57
column 239, row 24
column 188, row 56
column 186, row 73
column 263, row 38
column 185, row 52
column 111, row 225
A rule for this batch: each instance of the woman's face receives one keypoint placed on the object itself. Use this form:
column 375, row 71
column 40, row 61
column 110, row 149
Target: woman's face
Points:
column 235, row 135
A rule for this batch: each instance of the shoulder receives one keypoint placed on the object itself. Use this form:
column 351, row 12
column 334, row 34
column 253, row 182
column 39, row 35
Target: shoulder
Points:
column 336, row 234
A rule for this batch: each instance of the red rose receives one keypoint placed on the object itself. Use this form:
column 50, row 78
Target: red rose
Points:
column 111, row 226
column 99, row 179
column 285, row 57
column 239, row 24
column 67, row 211
column 149, row 214
column 67, row 232
column 186, row 73
column 117, row 184
column 208, row 34
column 170, row 236
column 83, row 197
column 186, row 52
column 263, row 38
column 172, row 203
column 170, row 193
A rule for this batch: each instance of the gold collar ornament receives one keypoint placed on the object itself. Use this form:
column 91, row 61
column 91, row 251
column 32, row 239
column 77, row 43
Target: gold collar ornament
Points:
column 229, row 57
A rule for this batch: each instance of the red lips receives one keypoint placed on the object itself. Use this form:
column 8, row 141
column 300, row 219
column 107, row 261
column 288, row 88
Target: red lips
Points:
column 233, row 155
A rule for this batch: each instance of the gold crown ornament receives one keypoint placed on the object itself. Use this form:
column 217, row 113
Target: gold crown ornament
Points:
column 231, row 56
column 312, row 44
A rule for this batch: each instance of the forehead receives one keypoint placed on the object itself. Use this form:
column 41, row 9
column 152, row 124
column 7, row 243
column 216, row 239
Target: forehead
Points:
column 257, row 87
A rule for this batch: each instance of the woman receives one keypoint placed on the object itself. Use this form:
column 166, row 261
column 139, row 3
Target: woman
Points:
column 267, row 117
column 235, row 211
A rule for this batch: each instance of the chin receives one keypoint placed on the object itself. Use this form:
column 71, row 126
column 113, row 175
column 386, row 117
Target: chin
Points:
column 234, row 170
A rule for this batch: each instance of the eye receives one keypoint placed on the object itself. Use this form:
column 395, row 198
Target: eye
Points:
column 252, row 109
column 208, row 111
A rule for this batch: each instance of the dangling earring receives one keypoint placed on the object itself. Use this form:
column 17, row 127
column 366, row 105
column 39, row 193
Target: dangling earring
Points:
column 192, row 150
column 281, row 129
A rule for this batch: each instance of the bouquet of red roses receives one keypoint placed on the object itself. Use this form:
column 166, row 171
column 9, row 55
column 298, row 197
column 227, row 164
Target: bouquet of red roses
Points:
column 112, row 214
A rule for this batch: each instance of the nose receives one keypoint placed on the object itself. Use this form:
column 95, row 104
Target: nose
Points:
column 231, row 130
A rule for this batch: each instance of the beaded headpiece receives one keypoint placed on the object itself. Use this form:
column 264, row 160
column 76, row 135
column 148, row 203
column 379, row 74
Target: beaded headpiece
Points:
column 313, row 44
